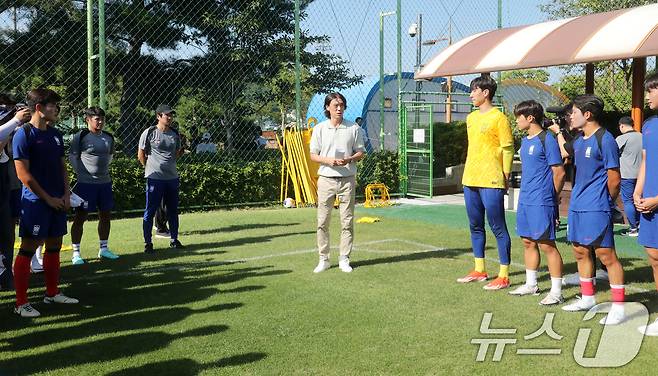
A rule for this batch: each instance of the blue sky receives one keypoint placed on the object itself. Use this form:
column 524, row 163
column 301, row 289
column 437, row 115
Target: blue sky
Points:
column 353, row 26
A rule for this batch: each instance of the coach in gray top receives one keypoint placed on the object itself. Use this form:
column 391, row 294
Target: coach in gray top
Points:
column 336, row 144
column 159, row 147
column 90, row 155
column 630, row 157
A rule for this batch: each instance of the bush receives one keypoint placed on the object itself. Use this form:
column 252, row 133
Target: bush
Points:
column 202, row 183
column 450, row 145
column 378, row 167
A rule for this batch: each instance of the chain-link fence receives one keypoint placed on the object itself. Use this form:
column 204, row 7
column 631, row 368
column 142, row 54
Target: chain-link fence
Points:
column 228, row 68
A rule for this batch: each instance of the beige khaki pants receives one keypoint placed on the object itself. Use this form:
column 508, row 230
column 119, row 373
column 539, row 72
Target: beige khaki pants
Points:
column 328, row 189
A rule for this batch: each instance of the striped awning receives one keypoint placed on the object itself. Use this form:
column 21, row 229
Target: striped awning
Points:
column 620, row 34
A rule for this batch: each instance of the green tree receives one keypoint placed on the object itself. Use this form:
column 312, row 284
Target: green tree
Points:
column 612, row 79
column 168, row 51
column 540, row 75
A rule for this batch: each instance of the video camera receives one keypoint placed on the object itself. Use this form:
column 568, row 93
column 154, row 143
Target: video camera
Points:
column 561, row 113
column 7, row 111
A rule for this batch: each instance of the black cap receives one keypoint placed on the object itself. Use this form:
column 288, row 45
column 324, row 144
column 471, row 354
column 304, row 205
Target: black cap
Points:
column 164, row 109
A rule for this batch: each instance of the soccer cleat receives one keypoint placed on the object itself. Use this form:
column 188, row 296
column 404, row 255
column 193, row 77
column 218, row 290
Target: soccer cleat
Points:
column 162, row 234
column 322, row 266
column 176, row 244
column 344, row 265
column 106, row 253
column 525, row 290
column 77, row 260
column 36, row 265
column 649, row 330
column 26, row 310
column 497, row 284
column 551, row 299
column 148, row 248
column 59, row 299
column 578, row 305
column 613, row 318
column 473, row 276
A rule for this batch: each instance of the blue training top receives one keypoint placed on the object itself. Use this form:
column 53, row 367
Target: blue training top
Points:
column 44, row 150
column 592, row 164
column 650, row 146
column 537, row 157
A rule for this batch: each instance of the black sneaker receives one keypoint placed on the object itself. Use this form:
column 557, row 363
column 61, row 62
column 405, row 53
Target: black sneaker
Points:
column 148, row 248
column 176, row 244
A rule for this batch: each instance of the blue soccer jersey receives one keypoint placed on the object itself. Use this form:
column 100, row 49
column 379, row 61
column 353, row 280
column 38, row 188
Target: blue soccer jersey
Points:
column 592, row 164
column 650, row 146
column 537, row 157
column 649, row 221
column 44, row 150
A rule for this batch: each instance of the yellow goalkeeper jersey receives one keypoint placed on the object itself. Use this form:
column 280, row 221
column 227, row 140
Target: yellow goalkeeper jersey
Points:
column 490, row 149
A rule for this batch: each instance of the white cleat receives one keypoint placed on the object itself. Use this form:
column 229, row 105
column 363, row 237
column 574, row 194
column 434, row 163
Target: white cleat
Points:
column 613, row 318
column 26, row 310
column 525, row 290
column 578, row 305
column 59, row 299
column 551, row 299
column 649, row 330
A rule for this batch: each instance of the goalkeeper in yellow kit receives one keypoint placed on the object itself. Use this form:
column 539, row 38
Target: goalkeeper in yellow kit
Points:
column 486, row 176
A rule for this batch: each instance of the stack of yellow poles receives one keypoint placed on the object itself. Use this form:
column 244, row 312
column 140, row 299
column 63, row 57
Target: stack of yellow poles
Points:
column 297, row 167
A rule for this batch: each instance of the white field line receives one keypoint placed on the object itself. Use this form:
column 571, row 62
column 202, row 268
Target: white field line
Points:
column 205, row 265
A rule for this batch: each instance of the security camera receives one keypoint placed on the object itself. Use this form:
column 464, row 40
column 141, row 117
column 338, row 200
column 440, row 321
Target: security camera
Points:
column 413, row 30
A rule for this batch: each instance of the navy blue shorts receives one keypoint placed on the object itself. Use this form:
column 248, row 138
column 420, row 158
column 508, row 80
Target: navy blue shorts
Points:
column 648, row 230
column 40, row 221
column 15, row 202
column 96, row 196
column 591, row 229
column 535, row 222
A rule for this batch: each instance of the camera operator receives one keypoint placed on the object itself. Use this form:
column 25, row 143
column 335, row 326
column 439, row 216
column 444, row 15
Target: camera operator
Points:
column 11, row 117
column 566, row 134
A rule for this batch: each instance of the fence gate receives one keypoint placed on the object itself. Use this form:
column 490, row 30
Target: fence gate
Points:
column 417, row 150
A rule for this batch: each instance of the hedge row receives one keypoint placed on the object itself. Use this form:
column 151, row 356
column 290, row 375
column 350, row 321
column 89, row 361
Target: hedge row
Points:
column 233, row 181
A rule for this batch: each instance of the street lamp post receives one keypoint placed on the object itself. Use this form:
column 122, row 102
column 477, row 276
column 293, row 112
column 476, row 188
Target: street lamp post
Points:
column 416, row 30
column 381, row 76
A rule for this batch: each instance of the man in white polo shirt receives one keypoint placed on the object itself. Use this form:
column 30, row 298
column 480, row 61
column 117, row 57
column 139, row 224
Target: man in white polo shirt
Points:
column 336, row 144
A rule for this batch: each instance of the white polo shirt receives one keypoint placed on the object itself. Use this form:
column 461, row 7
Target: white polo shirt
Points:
column 337, row 142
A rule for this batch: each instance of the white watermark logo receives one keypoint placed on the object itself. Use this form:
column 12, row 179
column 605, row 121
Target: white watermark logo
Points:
column 618, row 345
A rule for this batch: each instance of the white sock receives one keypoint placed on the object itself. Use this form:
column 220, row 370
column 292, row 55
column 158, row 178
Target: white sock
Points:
column 556, row 286
column 76, row 249
column 103, row 244
column 617, row 309
column 588, row 299
column 530, row 277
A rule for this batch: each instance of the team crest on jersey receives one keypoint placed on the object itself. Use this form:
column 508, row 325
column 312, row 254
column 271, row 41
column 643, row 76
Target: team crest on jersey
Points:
column 531, row 150
column 588, row 152
column 57, row 141
column 35, row 230
column 151, row 188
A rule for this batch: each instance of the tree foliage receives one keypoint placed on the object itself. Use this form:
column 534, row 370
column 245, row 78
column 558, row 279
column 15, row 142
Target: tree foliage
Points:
column 612, row 79
column 207, row 57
